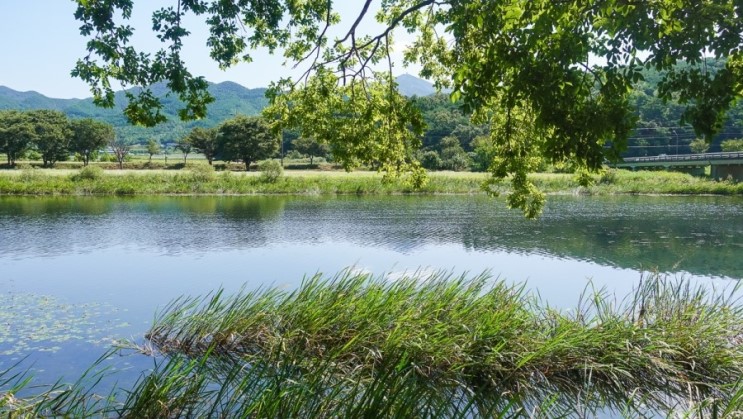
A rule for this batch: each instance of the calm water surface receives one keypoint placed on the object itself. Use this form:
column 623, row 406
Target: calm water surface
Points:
column 76, row 273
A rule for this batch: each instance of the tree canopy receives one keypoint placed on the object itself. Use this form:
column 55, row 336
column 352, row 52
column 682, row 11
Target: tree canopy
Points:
column 204, row 140
column 246, row 138
column 551, row 79
column 17, row 133
column 89, row 136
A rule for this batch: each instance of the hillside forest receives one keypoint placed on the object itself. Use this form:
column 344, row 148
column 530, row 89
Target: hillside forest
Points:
column 450, row 140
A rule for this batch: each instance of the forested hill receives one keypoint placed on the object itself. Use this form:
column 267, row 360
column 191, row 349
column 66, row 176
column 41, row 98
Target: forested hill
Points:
column 658, row 128
column 658, row 131
column 231, row 99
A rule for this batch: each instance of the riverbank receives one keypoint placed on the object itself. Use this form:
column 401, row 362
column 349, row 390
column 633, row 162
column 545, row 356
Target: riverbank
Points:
column 435, row 346
column 201, row 180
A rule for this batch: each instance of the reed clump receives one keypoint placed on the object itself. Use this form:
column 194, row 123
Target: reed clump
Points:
column 355, row 345
column 670, row 344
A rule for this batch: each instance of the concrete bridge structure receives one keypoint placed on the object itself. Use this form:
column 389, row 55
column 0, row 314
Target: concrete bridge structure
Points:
column 722, row 165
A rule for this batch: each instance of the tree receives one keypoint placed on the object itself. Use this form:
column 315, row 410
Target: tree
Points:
column 248, row 139
column 699, row 146
column 184, row 145
column 310, row 147
column 53, row 135
column 510, row 62
column 484, row 153
column 121, row 148
column 430, row 160
column 453, row 155
column 17, row 133
column 361, row 123
column 204, row 140
column 89, row 136
column 732, row 145
column 153, row 147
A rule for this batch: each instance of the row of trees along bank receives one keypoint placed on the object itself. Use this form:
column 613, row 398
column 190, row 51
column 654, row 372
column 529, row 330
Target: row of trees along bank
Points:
column 50, row 136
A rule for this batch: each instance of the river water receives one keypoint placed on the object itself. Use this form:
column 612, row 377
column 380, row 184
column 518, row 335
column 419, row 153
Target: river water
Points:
column 78, row 273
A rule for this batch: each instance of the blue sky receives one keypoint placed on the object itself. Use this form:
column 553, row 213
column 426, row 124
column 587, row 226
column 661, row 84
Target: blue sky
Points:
column 41, row 43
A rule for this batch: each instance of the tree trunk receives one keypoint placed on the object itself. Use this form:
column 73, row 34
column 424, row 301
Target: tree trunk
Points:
column 247, row 165
column 311, row 158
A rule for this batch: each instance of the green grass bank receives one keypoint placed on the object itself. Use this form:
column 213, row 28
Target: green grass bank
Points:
column 200, row 179
column 436, row 346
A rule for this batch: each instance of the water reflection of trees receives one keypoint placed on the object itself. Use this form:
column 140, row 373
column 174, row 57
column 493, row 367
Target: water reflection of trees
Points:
column 53, row 226
column 698, row 235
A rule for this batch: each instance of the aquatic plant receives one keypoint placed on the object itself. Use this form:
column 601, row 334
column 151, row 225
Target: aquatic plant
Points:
column 670, row 344
column 436, row 345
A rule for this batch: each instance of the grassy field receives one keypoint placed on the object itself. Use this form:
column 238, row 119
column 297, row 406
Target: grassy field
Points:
column 201, row 179
column 436, row 346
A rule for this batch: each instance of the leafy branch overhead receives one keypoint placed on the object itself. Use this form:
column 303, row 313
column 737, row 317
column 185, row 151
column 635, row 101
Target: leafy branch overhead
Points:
column 551, row 78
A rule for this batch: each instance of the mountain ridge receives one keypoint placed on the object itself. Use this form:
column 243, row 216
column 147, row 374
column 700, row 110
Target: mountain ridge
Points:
column 231, row 99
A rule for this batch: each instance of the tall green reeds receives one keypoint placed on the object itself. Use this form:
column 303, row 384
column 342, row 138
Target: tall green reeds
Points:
column 671, row 344
column 440, row 346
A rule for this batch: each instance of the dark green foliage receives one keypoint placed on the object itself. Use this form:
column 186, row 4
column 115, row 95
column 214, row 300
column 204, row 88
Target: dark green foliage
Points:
column 17, row 134
column 659, row 127
column 430, row 160
column 518, row 66
column 310, row 147
column 246, row 138
column 204, row 140
column 484, row 153
column 230, row 98
column 453, row 156
column 89, row 136
column 53, row 135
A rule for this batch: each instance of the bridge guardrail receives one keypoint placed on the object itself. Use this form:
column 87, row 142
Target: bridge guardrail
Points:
column 685, row 157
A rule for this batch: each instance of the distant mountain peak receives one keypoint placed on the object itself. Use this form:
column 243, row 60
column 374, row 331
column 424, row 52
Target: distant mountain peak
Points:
column 410, row 85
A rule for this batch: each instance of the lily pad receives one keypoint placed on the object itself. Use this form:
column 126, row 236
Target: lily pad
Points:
column 30, row 322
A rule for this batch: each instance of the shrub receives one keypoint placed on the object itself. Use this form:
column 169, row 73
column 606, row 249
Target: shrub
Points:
column 430, row 160
column 457, row 162
column 294, row 155
column 732, row 145
column 271, row 171
column 608, row 177
column 699, row 146
column 202, row 173
column 29, row 174
column 89, row 173
column 32, row 155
